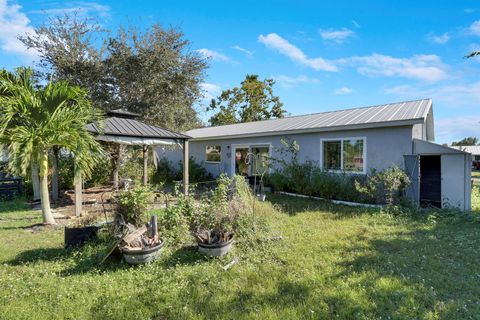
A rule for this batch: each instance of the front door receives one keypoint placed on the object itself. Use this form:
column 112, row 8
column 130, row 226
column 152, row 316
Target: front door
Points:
column 241, row 163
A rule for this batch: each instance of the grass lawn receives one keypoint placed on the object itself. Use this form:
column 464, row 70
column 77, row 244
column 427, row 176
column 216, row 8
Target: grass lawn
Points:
column 333, row 262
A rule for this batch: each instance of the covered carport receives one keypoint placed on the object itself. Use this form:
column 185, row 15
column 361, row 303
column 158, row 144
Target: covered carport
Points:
column 121, row 127
column 440, row 176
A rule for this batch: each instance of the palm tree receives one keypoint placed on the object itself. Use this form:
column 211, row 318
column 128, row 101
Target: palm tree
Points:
column 34, row 120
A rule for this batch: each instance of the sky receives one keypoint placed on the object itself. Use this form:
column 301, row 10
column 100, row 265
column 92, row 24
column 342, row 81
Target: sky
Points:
column 324, row 55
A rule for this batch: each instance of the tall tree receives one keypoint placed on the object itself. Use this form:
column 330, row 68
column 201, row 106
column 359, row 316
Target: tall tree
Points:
column 468, row 141
column 252, row 101
column 151, row 72
column 35, row 120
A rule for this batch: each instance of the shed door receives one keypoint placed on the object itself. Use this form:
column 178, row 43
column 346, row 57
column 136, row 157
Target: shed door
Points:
column 431, row 181
column 453, row 180
column 411, row 168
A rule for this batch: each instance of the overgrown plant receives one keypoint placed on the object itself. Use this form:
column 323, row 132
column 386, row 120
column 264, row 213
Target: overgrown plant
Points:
column 386, row 187
column 133, row 204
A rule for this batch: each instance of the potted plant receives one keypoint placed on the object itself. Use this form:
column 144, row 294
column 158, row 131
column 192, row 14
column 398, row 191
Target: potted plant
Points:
column 140, row 242
column 217, row 218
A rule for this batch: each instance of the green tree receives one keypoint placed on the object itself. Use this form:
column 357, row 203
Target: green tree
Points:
column 150, row 72
column 252, row 101
column 468, row 141
column 34, row 120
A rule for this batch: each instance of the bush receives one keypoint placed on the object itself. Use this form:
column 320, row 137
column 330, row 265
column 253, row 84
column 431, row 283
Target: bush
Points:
column 165, row 172
column 133, row 203
column 196, row 171
column 385, row 187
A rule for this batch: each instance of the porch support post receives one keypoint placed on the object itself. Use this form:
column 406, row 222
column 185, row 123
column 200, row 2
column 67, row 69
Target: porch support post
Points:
column 78, row 193
column 116, row 166
column 185, row 167
column 145, row 165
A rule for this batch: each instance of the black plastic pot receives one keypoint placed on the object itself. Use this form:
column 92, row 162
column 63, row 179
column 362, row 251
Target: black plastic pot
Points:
column 78, row 236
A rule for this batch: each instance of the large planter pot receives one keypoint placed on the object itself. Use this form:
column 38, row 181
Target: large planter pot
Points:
column 142, row 256
column 78, row 236
column 217, row 249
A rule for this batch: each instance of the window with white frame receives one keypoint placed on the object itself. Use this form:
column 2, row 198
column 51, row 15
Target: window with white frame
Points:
column 213, row 153
column 344, row 155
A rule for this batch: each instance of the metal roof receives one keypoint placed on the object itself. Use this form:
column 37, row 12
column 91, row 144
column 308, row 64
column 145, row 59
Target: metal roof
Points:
column 475, row 150
column 122, row 113
column 392, row 114
column 115, row 126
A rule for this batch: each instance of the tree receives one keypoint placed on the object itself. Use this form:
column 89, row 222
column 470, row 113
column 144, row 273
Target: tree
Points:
column 252, row 101
column 473, row 54
column 34, row 120
column 152, row 73
column 468, row 141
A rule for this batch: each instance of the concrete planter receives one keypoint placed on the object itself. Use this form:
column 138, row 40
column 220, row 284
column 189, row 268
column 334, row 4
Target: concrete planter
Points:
column 217, row 249
column 142, row 256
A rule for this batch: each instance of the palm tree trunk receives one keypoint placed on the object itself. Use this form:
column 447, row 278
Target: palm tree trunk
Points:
column 35, row 182
column 55, row 174
column 44, row 196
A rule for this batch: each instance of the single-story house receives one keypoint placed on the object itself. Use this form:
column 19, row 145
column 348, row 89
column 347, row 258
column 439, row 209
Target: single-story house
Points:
column 353, row 141
column 473, row 150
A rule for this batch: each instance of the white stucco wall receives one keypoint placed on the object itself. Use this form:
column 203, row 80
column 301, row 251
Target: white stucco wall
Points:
column 384, row 147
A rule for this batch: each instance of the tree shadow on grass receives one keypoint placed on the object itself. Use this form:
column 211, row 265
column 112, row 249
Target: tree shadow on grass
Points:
column 77, row 260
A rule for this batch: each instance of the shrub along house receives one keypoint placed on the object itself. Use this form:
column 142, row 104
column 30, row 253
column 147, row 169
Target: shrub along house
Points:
column 353, row 141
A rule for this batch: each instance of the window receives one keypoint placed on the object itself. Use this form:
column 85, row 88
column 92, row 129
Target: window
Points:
column 213, row 153
column 344, row 155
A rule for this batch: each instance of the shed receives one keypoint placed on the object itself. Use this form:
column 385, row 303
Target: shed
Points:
column 440, row 175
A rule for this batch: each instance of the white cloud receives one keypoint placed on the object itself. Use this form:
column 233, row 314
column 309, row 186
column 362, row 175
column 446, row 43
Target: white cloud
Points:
column 420, row 67
column 337, row 36
column 441, row 39
column 343, row 90
column 468, row 10
column 247, row 52
column 475, row 28
column 81, row 7
column 212, row 54
column 355, row 24
column 455, row 95
column 275, row 42
column 12, row 24
column 288, row 82
column 453, row 129
column 210, row 90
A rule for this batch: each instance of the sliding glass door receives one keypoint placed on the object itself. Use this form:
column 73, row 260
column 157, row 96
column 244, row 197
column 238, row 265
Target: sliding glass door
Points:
column 251, row 160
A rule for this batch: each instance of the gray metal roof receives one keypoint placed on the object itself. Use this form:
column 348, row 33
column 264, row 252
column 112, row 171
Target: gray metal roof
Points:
column 475, row 150
column 392, row 114
column 115, row 126
column 122, row 114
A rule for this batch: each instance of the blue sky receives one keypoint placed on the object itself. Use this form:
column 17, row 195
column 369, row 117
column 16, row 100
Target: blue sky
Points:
column 324, row 56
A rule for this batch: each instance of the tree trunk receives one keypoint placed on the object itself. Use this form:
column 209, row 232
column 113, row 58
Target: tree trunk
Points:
column 78, row 192
column 35, row 182
column 44, row 196
column 55, row 174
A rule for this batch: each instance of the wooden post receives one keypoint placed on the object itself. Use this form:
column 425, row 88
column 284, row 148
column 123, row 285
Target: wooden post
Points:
column 55, row 174
column 78, row 193
column 145, row 165
column 116, row 166
column 185, row 167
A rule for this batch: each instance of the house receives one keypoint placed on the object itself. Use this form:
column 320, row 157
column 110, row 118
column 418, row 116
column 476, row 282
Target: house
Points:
column 473, row 150
column 353, row 141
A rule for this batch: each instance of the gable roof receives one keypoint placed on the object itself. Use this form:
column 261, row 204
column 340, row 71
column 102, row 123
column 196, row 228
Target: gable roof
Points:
column 475, row 150
column 392, row 114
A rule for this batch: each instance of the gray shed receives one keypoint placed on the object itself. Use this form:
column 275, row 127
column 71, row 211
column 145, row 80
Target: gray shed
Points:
column 440, row 175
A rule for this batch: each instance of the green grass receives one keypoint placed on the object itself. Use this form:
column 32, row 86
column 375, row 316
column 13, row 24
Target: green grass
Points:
column 333, row 262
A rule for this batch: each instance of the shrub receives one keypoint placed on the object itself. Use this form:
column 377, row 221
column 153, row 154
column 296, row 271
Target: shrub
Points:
column 165, row 172
column 386, row 186
column 196, row 171
column 133, row 203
